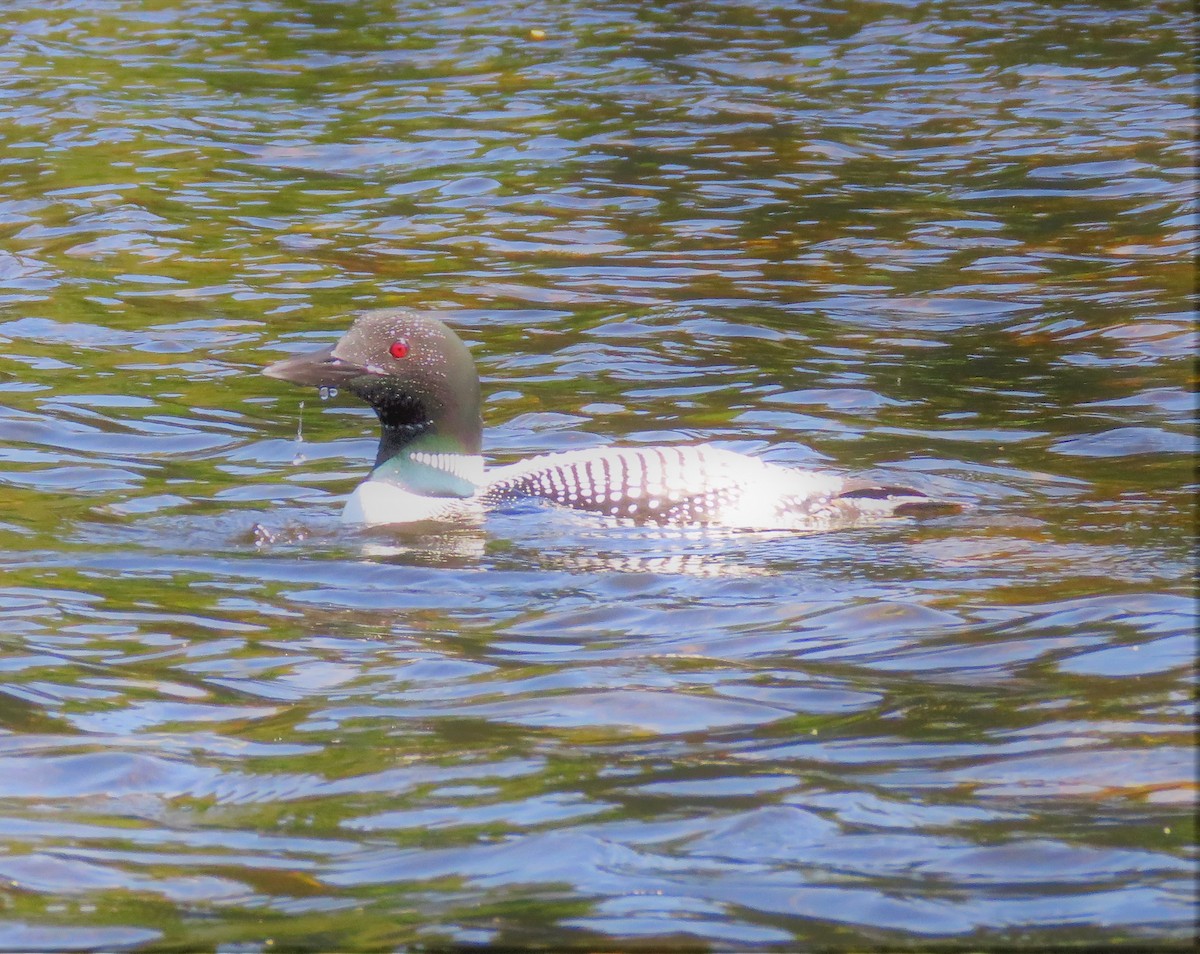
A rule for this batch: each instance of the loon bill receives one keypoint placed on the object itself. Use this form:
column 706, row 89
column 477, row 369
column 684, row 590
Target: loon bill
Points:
column 420, row 379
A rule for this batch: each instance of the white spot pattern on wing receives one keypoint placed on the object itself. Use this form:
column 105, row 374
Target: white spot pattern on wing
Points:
column 697, row 485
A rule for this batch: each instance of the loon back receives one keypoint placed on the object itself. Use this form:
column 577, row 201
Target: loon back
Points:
column 699, row 485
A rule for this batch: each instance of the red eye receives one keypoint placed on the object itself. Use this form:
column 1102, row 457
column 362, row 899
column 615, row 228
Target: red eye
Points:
column 399, row 349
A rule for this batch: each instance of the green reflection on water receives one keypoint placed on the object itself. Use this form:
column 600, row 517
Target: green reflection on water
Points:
column 951, row 244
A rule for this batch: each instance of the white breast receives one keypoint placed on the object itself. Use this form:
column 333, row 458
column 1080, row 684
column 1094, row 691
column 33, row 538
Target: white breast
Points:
column 377, row 502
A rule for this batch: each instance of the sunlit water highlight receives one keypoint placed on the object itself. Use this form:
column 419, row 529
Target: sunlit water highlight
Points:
column 950, row 246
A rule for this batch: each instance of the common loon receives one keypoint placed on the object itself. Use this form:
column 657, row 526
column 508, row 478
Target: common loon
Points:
column 421, row 381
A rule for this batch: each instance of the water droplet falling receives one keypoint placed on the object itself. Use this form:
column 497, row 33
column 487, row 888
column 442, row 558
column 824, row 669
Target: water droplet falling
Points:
column 299, row 457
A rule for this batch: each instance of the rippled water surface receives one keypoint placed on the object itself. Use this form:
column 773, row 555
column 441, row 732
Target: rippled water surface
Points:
column 945, row 244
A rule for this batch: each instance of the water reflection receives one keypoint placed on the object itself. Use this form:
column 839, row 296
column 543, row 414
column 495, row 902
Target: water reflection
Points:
column 949, row 247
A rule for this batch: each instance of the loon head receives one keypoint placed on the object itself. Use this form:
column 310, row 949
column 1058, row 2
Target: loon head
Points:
column 420, row 380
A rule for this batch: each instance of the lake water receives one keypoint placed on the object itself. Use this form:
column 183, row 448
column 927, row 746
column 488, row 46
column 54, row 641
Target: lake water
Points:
column 941, row 244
